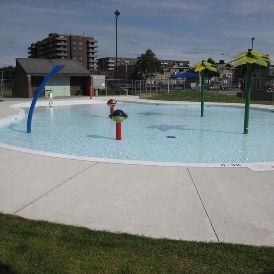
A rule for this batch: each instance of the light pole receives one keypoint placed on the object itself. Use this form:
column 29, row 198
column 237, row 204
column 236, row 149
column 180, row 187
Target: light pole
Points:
column 2, row 84
column 126, row 62
column 116, row 13
column 252, row 39
column 231, row 72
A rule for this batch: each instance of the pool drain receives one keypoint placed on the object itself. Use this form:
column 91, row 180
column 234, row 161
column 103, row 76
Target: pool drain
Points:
column 170, row 136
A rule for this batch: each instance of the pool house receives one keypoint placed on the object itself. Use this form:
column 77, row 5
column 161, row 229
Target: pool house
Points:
column 74, row 79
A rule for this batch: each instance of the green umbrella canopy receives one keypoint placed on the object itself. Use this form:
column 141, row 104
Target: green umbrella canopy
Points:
column 204, row 65
column 251, row 57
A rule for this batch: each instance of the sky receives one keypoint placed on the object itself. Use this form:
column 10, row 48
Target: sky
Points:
column 176, row 29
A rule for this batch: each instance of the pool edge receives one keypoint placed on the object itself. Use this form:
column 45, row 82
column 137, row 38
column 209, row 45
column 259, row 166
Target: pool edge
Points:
column 255, row 166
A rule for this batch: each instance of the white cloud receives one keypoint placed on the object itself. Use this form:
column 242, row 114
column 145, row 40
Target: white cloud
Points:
column 180, row 29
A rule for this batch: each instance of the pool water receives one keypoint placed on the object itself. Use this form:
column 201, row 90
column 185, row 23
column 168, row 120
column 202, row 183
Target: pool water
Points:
column 152, row 132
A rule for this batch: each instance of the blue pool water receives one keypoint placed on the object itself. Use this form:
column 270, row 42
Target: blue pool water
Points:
column 162, row 133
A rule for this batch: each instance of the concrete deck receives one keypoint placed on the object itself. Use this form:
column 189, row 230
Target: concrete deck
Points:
column 189, row 203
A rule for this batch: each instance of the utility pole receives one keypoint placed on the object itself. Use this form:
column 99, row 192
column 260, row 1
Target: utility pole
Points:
column 2, row 84
column 116, row 13
column 252, row 39
column 231, row 69
column 126, row 62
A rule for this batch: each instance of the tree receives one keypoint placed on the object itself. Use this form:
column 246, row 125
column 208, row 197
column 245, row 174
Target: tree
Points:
column 203, row 68
column 210, row 73
column 211, row 61
column 147, row 66
column 251, row 59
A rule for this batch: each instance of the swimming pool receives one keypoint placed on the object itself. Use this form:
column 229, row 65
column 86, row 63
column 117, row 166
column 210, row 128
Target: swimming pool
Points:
column 152, row 132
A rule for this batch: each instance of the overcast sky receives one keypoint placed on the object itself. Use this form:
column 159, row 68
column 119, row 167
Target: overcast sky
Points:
column 176, row 29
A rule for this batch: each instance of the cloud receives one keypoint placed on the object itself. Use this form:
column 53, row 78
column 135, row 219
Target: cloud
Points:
column 7, row 60
column 173, row 29
column 248, row 7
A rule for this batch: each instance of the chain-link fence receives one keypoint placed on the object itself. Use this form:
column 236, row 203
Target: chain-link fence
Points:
column 6, row 87
column 138, row 87
column 262, row 88
column 161, row 86
column 227, row 85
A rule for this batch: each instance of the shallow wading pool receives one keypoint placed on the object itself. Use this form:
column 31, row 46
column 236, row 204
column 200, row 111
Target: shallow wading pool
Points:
column 152, row 132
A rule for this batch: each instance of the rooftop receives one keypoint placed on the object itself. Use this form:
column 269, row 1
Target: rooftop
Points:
column 35, row 66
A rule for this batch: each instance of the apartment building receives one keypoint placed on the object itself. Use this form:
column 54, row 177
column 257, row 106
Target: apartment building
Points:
column 175, row 64
column 83, row 49
column 108, row 63
column 172, row 67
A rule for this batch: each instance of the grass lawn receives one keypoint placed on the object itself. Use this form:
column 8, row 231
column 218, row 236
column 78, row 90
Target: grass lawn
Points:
column 41, row 247
column 194, row 96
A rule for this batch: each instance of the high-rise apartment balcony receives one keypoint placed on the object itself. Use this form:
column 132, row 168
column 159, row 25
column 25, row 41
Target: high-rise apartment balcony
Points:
column 92, row 55
column 61, row 38
column 60, row 54
column 92, row 67
column 92, row 50
column 61, row 48
column 92, row 41
column 92, row 60
column 61, row 43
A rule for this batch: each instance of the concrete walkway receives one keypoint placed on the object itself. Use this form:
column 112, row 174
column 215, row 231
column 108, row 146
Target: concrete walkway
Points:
column 202, row 204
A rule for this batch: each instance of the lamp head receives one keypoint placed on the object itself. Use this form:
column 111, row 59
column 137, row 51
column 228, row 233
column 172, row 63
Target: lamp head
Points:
column 117, row 13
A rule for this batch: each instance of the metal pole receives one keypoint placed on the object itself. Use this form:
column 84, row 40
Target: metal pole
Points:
column 116, row 59
column 247, row 96
column 202, row 94
column 126, row 71
column 231, row 77
column 167, row 85
column 2, row 82
column 252, row 39
column 126, row 63
column 116, row 13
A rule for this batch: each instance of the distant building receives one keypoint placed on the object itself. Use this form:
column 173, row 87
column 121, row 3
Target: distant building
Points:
column 73, row 79
column 108, row 63
column 226, row 70
column 106, row 66
column 61, row 46
column 172, row 67
column 177, row 64
column 126, row 67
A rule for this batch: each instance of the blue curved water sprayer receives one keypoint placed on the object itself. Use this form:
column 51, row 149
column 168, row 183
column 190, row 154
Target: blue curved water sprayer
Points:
column 38, row 93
